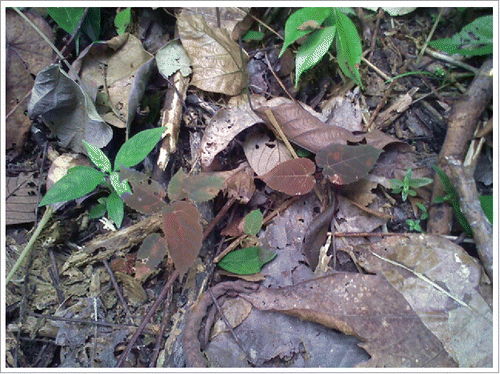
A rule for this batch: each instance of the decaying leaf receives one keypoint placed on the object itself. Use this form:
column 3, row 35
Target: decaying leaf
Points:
column 293, row 177
column 344, row 164
column 217, row 62
column 67, row 110
column 304, row 129
column 240, row 184
column 445, row 286
column 229, row 17
column 366, row 306
column 152, row 251
column 200, row 187
column 148, row 196
column 173, row 57
column 263, row 154
column 183, row 232
column 26, row 55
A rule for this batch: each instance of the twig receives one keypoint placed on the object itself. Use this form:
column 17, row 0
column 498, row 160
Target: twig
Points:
column 379, row 106
column 218, row 217
column 161, row 333
column 116, row 286
column 377, row 70
column 429, row 37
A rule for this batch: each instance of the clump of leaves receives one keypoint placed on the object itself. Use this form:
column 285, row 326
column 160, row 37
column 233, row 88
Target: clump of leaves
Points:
column 82, row 180
column 475, row 39
column 414, row 224
column 408, row 184
column 324, row 25
column 248, row 260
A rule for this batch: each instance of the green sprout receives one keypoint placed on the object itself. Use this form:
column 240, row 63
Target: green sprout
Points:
column 408, row 184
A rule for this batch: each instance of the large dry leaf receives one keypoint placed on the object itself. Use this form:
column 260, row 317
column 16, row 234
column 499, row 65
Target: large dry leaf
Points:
column 293, row 177
column 366, row 306
column 446, row 288
column 225, row 125
column 217, row 62
column 67, row 110
column 304, row 129
column 26, row 55
column 116, row 71
column 183, row 232
column 229, row 17
column 345, row 164
column 263, row 153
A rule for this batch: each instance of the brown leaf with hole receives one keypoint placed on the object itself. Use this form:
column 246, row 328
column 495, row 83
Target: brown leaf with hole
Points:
column 304, row 129
column 26, row 55
column 183, row 232
column 148, row 194
column 345, row 164
column 366, row 306
column 217, row 62
column 293, row 177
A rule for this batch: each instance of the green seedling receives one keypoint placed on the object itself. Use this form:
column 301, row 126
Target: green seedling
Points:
column 414, row 224
column 324, row 26
column 408, row 184
column 81, row 180
column 248, row 260
column 122, row 20
column 451, row 198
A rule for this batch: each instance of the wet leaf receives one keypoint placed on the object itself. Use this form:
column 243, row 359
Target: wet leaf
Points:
column 304, row 129
column 263, row 154
column 246, row 261
column 26, row 55
column 293, row 177
column 253, row 222
column 363, row 305
column 67, row 110
column 148, row 195
column 217, row 62
column 345, row 164
column 183, row 232
column 151, row 253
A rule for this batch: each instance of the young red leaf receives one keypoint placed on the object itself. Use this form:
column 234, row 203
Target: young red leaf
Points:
column 345, row 164
column 183, row 232
column 148, row 194
column 293, row 177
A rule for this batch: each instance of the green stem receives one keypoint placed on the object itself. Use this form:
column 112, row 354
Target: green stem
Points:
column 27, row 250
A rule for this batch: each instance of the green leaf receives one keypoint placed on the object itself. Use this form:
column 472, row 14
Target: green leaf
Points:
column 75, row 184
column 487, row 205
column 253, row 35
column 253, row 222
column 349, row 49
column 475, row 39
column 97, row 211
column 420, row 182
column 246, row 261
column 92, row 24
column 137, row 148
column 66, row 17
column 114, row 205
column 313, row 50
column 122, row 20
column 98, row 157
column 298, row 19
column 119, row 188
column 396, row 184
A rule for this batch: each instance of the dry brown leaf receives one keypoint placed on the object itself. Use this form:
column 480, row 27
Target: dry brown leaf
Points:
column 217, row 62
column 26, row 55
column 228, row 16
column 263, row 154
column 22, row 198
column 366, row 306
column 445, row 287
column 293, row 177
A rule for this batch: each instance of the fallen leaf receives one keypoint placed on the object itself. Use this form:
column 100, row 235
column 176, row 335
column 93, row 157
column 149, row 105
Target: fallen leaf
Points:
column 263, row 154
column 151, row 253
column 200, row 187
column 293, row 177
column 27, row 53
column 240, row 184
column 226, row 18
column 344, row 164
column 183, row 232
column 366, row 306
column 148, row 195
column 217, row 60
column 67, row 110
column 444, row 286
column 173, row 57
column 22, row 198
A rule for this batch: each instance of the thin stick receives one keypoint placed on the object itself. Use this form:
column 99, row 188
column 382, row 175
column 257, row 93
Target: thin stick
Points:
column 429, row 37
column 116, row 286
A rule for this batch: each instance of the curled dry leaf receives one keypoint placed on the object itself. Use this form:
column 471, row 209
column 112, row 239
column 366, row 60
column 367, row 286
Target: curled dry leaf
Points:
column 183, row 232
column 293, row 177
column 263, row 154
column 217, row 62
column 305, row 129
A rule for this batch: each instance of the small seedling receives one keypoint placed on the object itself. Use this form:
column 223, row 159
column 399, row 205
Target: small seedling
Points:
column 408, row 184
column 414, row 224
column 82, row 180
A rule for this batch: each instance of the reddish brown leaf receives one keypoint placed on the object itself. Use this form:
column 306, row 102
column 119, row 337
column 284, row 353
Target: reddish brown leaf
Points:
column 304, row 129
column 345, row 164
column 183, row 232
column 293, row 177
column 148, row 194
column 152, row 251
